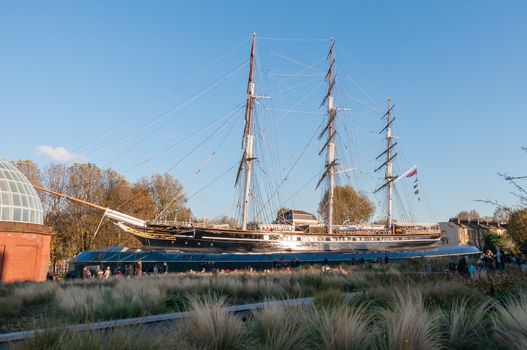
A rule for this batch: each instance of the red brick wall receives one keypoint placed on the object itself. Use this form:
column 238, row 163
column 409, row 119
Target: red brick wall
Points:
column 24, row 252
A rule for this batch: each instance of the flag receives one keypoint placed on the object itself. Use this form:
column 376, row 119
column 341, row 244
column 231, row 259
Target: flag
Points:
column 412, row 173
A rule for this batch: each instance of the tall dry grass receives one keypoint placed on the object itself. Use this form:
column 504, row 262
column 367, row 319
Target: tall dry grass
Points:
column 510, row 323
column 127, row 298
column 213, row 327
column 343, row 328
column 408, row 324
column 280, row 327
column 467, row 327
column 61, row 338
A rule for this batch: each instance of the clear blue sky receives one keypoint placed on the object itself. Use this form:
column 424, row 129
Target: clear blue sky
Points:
column 456, row 70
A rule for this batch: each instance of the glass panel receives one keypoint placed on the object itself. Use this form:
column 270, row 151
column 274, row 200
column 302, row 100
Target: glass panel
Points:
column 32, row 202
column 6, row 214
column 25, row 213
column 29, row 190
column 25, row 202
column 6, row 199
column 13, row 187
column 4, row 186
column 21, row 188
column 8, row 175
column 17, row 214
column 16, row 200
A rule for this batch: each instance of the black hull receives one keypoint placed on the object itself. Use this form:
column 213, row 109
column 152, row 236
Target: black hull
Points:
column 230, row 241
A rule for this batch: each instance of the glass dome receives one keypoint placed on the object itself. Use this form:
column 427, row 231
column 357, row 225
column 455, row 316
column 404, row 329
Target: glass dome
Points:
column 19, row 201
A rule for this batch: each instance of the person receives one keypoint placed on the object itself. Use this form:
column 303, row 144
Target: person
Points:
column 481, row 263
column 462, row 266
column 472, row 271
column 500, row 261
column 139, row 270
column 86, row 274
column 519, row 262
column 386, row 259
column 489, row 261
column 107, row 272
column 100, row 272
column 165, row 268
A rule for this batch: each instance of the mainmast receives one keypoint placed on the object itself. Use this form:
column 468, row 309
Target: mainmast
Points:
column 248, row 140
column 332, row 112
column 330, row 145
column 390, row 155
column 389, row 170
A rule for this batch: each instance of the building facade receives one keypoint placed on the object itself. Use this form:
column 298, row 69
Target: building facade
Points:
column 469, row 231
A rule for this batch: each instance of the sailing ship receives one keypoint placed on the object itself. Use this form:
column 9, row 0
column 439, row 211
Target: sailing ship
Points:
column 288, row 235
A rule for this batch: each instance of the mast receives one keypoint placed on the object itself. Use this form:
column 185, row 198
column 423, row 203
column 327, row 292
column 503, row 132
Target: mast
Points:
column 389, row 170
column 248, row 140
column 389, row 154
column 329, row 146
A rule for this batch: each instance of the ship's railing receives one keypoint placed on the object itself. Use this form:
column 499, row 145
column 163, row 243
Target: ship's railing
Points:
column 171, row 223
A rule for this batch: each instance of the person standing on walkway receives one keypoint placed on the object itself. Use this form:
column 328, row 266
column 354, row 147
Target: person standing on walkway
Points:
column 139, row 271
column 500, row 261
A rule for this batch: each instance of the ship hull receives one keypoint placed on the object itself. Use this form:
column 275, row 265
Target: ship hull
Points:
column 229, row 241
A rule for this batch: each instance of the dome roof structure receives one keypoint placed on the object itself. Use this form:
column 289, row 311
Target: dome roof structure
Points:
column 19, row 201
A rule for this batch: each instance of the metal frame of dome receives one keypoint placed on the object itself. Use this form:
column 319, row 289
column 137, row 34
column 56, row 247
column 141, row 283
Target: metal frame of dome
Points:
column 19, row 202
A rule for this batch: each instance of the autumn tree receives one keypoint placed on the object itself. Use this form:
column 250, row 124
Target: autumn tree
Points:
column 517, row 229
column 501, row 214
column 31, row 170
column 226, row 220
column 349, row 205
column 468, row 214
column 78, row 227
column 168, row 197
column 280, row 214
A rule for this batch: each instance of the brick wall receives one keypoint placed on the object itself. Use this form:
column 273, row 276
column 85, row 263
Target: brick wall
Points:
column 24, row 252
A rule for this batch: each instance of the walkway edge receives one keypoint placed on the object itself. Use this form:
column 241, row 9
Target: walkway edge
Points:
column 7, row 338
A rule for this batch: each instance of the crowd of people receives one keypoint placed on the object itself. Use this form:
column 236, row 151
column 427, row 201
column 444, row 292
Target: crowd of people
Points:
column 488, row 262
column 127, row 271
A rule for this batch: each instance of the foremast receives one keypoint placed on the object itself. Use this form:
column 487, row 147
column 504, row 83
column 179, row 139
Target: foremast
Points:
column 389, row 154
column 329, row 146
column 246, row 162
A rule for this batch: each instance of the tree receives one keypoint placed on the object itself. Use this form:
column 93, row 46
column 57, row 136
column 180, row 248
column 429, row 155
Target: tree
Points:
column 517, row 229
column 280, row 215
column 168, row 197
column 349, row 205
column 493, row 240
column 31, row 170
column 74, row 225
column 501, row 214
column 226, row 220
column 468, row 214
